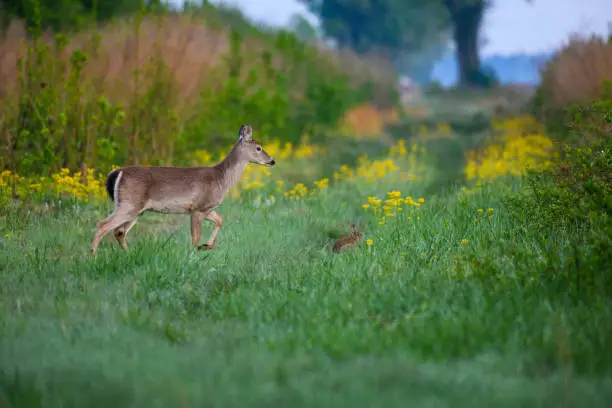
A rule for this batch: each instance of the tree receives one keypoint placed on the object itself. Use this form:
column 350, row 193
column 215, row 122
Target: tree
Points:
column 466, row 18
column 408, row 26
column 397, row 28
column 364, row 25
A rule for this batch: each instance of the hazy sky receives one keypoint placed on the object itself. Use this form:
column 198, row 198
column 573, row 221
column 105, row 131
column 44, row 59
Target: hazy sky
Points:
column 511, row 26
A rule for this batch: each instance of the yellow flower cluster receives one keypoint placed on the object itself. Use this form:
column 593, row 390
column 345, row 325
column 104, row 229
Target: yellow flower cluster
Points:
column 481, row 214
column 400, row 149
column 287, row 151
column 12, row 182
column 392, row 206
column 301, row 191
column 345, row 173
column 254, row 177
column 297, row 192
column 275, row 148
column 72, row 184
column 322, row 184
column 373, row 170
column 514, row 152
column 62, row 183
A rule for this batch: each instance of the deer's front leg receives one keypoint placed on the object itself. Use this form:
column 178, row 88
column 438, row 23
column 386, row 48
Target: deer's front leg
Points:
column 218, row 220
column 196, row 227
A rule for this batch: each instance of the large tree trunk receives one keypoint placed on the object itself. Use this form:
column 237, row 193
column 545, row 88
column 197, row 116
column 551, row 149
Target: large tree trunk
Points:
column 467, row 16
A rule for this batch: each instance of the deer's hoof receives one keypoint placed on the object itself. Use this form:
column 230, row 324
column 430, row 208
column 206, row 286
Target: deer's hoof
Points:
column 206, row 246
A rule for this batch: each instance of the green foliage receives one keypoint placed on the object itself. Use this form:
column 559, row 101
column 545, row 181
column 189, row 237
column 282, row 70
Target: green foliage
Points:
column 577, row 198
column 578, row 123
column 63, row 119
column 264, row 96
column 71, row 14
column 576, row 194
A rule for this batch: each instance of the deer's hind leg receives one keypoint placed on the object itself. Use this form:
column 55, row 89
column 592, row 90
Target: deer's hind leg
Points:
column 122, row 231
column 115, row 220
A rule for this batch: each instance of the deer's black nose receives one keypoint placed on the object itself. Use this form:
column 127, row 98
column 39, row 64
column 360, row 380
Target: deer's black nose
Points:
column 272, row 162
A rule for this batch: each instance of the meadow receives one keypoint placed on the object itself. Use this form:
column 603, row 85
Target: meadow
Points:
column 483, row 276
column 457, row 295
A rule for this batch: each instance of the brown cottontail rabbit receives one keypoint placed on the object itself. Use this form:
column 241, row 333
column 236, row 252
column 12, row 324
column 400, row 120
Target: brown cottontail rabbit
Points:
column 347, row 241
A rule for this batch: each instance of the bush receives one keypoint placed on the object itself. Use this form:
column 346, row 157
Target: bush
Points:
column 574, row 195
column 579, row 74
column 574, row 102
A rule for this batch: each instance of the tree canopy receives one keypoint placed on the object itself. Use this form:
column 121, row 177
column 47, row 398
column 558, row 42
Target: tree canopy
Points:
column 408, row 27
column 364, row 25
column 398, row 28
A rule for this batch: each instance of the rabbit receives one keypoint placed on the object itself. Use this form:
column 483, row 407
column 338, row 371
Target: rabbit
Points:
column 347, row 241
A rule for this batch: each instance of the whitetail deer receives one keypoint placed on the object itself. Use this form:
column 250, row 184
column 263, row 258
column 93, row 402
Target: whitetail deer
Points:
column 197, row 191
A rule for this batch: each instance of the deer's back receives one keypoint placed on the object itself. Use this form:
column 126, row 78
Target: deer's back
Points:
column 170, row 189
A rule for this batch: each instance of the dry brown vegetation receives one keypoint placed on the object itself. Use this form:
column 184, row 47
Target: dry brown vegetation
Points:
column 184, row 43
column 188, row 47
column 578, row 72
column 367, row 120
column 153, row 88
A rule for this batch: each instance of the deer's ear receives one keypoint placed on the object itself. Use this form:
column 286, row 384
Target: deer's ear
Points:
column 245, row 134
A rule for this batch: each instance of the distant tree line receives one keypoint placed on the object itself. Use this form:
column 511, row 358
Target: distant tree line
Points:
column 409, row 30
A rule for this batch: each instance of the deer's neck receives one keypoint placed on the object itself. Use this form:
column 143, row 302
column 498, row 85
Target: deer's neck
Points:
column 231, row 168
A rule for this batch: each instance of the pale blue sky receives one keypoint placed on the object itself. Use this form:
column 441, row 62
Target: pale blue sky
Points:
column 512, row 26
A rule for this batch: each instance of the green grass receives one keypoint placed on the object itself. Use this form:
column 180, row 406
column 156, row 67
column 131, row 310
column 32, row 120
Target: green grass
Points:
column 272, row 318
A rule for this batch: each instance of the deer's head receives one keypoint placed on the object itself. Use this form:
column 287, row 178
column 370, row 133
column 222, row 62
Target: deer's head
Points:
column 251, row 149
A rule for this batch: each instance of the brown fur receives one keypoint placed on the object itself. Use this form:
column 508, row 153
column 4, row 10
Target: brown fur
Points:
column 197, row 191
column 348, row 241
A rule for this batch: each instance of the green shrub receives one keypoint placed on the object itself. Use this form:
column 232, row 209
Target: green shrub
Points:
column 263, row 95
column 575, row 196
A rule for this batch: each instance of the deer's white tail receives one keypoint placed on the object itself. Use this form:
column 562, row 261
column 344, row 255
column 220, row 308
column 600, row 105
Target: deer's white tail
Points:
column 112, row 184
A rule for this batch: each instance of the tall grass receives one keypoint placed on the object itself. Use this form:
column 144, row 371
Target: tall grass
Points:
column 577, row 73
column 575, row 94
column 143, row 90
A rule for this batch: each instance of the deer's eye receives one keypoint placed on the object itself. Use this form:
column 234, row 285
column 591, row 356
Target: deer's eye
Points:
column 259, row 148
